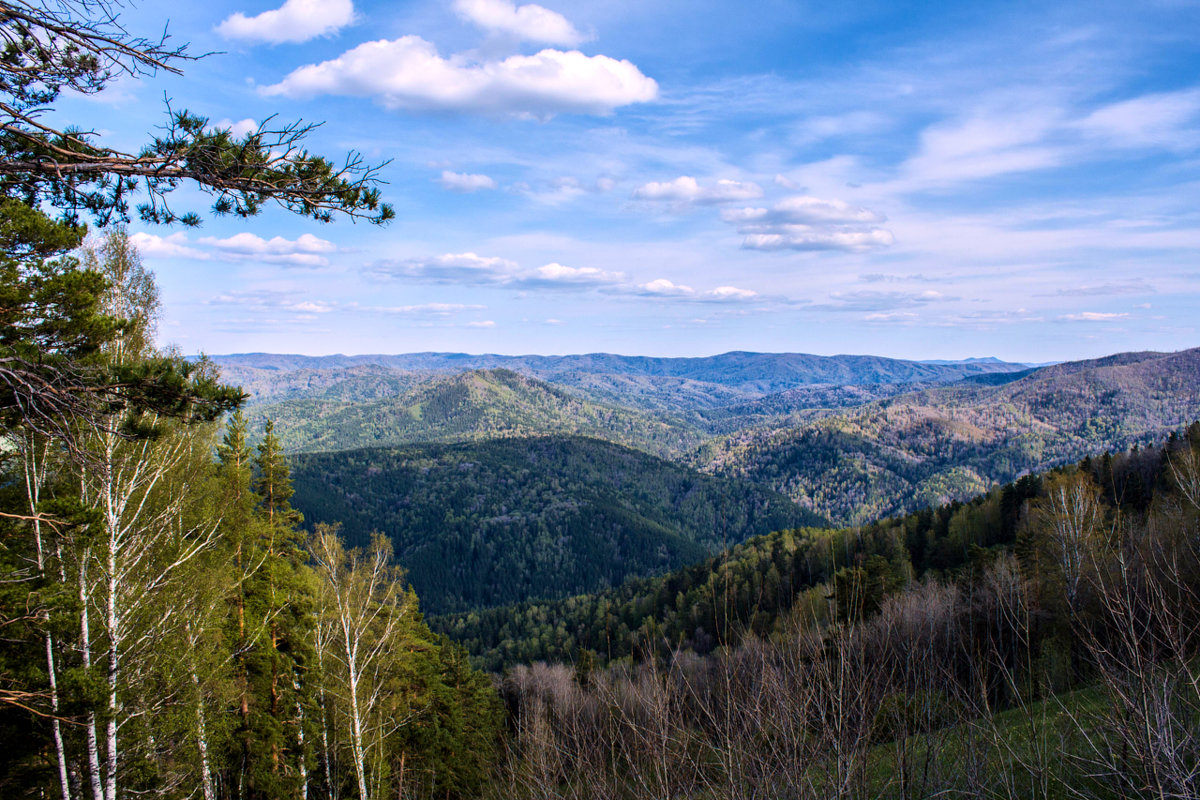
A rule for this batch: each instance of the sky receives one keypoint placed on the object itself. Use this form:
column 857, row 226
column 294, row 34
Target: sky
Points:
column 690, row 177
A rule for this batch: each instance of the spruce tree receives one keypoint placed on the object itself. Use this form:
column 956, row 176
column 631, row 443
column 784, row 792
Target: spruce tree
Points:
column 277, row 629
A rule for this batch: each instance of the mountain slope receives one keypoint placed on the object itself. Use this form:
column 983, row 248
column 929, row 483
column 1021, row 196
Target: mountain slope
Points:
column 487, row 523
column 753, row 586
column 952, row 442
column 469, row 406
column 638, row 381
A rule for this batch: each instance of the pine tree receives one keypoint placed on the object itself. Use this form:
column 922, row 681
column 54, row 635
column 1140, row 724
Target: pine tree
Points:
column 277, row 630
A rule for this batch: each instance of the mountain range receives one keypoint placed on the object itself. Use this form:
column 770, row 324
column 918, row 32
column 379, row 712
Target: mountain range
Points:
column 504, row 479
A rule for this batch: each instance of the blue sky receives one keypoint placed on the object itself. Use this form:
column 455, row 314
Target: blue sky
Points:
column 916, row 180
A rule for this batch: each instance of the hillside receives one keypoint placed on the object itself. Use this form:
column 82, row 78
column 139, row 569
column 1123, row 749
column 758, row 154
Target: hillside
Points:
column 469, row 406
column 753, row 587
column 637, row 381
column 952, row 442
column 488, row 523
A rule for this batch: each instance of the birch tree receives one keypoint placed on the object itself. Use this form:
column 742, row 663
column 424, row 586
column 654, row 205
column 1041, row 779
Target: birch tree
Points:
column 366, row 617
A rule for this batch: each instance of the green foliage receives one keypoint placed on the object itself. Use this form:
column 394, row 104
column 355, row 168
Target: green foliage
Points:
column 82, row 47
column 495, row 522
column 757, row 587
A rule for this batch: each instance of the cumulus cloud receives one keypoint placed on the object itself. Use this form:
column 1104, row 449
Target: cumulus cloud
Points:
column 809, row 223
column 176, row 245
column 408, row 73
column 554, row 274
column 687, row 190
column 731, row 293
column 531, row 23
column 305, row 251
column 294, row 21
column 800, row 238
column 237, row 129
column 663, row 287
column 464, row 182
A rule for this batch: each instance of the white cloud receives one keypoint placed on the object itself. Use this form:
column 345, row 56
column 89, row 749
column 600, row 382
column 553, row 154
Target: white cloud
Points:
column 237, row 129
column 312, row 307
column 809, row 223
column 882, row 302
column 408, row 73
column 294, row 21
column 985, row 145
column 483, row 323
column 854, row 241
column 1167, row 119
column 686, row 189
column 176, row 245
column 556, row 276
column 1093, row 316
column 427, row 309
column 664, row 287
column 731, row 293
column 803, row 210
column 467, row 268
column 304, row 251
column 264, row 299
column 470, row 269
column 531, row 23
column 464, row 182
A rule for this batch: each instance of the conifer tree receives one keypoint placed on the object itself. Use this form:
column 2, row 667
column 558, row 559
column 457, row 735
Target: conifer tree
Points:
column 276, row 630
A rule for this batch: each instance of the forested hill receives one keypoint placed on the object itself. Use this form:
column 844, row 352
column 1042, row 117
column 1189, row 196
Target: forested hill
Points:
column 641, row 381
column 381, row 409
column 924, row 448
column 488, row 523
column 755, row 587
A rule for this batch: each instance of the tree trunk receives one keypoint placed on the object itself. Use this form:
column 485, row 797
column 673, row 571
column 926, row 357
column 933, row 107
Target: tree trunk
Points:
column 356, row 736
column 35, row 474
column 93, row 745
column 206, row 782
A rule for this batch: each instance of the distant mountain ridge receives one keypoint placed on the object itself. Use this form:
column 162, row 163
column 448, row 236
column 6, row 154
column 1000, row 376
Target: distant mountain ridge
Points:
column 373, row 410
column 951, row 442
column 748, row 372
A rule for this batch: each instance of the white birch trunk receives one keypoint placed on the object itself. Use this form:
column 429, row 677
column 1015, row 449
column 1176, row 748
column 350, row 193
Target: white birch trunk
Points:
column 356, row 736
column 206, row 782
column 35, row 476
column 85, row 647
